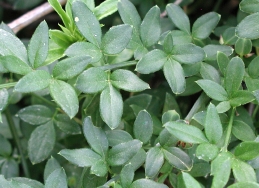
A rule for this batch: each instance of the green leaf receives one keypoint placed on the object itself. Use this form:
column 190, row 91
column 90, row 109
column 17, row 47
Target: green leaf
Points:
column 234, row 75
column 242, row 171
column 212, row 50
column 138, row 159
column 144, row 183
column 116, row 137
column 41, row 142
column 95, row 137
column 180, row 37
column 4, row 98
column 178, row 158
column 249, row 6
column 65, row 96
column 39, row 45
column 174, row 75
column 90, row 27
column 116, row 39
column 208, row 72
column 121, row 153
column 207, row 152
column 34, row 81
column 70, row 67
column 154, row 162
column 60, row 38
column 151, row 62
column 223, row 106
column 10, row 168
column 247, row 28
column 241, row 97
column 244, row 185
column 186, row 180
column 247, row 150
column 51, row 165
column 253, row 68
column 86, row 48
column 178, row 16
column 222, row 60
column 111, row 106
column 105, row 9
column 6, row 148
column 26, row 182
column 150, row 29
column 4, row 183
column 213, row 127
column 99, row 168
column 81, row 157
column 243, row 46
column 15, row 65
column 92, row 80
column 55, row 52
column 35, row 114
column 220, row 169
column 11, row 45
column 186, row 133
column 229, row 36
column 187, row 53
column 167, row 139
column 128, row 81
column 204, row 25
column 126, row 175
column 57, row 179
column 170, row 115
column 168, row 43
column 67, row 125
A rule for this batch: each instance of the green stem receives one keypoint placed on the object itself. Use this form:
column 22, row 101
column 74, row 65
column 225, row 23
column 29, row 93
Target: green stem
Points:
column 12, row 84
column 255, row 112
column 17, row 141
column 229, row 129
column 118, row 65
column 216, row 7
column 201, row 101
column 44, row 100
column 80, row 183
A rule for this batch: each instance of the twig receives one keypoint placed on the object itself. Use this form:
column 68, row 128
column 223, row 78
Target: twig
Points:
column 32, row 16
column 164, row 14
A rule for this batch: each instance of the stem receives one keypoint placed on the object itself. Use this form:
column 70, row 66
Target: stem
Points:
column 216, row 7
column 79, row 185
column 44, row 100
column 12, row 84
column 118, row 65
column 229, row 129
column 255, row 112
column 202, row 100
column 17, row 141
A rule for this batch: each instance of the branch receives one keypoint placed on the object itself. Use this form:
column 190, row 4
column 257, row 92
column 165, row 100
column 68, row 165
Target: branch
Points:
column 32, row 16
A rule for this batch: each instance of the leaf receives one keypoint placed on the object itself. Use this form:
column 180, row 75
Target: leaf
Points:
column 204, row 25
column 116, row 137
column 229, row 36
column 38, row 49
column 70, row 67
column 121, row 153
column 144, row 183
column 212, row 50
column 99, row 168
column 128, row 81
column 207, row 152
column 185, row 133
column 51, row 165
column 4, row 95
column 65, row 96
column 223, row 106
column 174, row 75
column 90, row 27
column 4, row 183
column 178, row 158
column 92, row 80
column 67, row 125
column 242, row 171
column 138, row 159
column 244, row 185
column 41, row 142
column 234, row 75
column 35, row 114
column 10, row 168
column 11, row 45
column 247, row 28
column 249, row 6
column 253, row 68
column 247, row 150
column 220, row 169
column 111, row 106
column 170, row 115
column 6, row 148
column 60, row 38
column 186, row 180
column 181, row 37
column 168, row 43
column 150, row 29
column 34, row 81
column 105, row 9
column 222, row 60
column 151, row 62
column 26, row 182
column 86, row 48
column 116, row 39
column 167, row 139
column 243, row 46
column 126, row 175
column 187, row 53
column 208, row 72
column 57, row 179
column 213, row 127
column 81, row 157
column 178, row 16
column 15, row 65
column 241, row 97
column 154, row 162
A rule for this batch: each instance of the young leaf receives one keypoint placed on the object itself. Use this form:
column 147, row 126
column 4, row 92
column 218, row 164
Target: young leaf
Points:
column 116, row 39
column 34, row 81
column 126, row 175
column 116, row 137
column 70, row 67
column 35, row 114
column 168, row 43
column 253, row 68
column 111, row 106
column 105, row 9
column 213, row 90
column 186, row 133
column 60, row 38
column 186, row 180
column 81, row 157
column 241, row 97
column 243, row 46
column 170, row 115
column 65, row 96
column 223, row 106
column 247, row 27
column 174, row 75
column 123, row 152
column 178, row 16
column 242, row 171
column 95, row 137
column 204, row 25
column 234, row 75
column 222, row 60
column 151, row 62
column 150, row 27
column 57, row 179
column 67, row 125
column 92, row 80
column 127, row 81
column 41, row 142
column 90, row 27
column 51, row 165
column 144, row 183
column 154, row 162
column 247, row 150
column 207, row 152
column 9, row 168
column 38, row 49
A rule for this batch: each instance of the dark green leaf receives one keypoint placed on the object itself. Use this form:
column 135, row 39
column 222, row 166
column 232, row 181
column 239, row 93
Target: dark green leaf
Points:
column 244, row 185
column 207, row 152
column 126, row 175
column 6, row 148
column 222, row 60
column 223, row 106
column 208, row 72
column 253, row 68
column 229, row 37
column 67, row 125
column 41, row 142
column 57, row 179
column 116, row 137
column 154, row 162
column 105, row 9
column 9, row 168
column 51, row 165
column 247, row 150
column 249, row 6
column 167, row 139
column 212, row 50
column 181, row 37
column 138, row 159
column 186, row 180
column 168, row 43
column 200, row 169
column 243, row 46
column 144, row 183
column 242, row 131
column 241, row 97
column 247, row 27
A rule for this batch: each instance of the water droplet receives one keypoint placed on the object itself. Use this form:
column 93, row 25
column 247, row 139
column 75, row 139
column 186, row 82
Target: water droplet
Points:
column 76, row 19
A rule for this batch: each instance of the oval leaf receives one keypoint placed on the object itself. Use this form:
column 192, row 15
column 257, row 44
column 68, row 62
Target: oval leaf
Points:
column 154, row 162
column 247, row 150
column 57, row 179
column 242, row 171
column 144, row 183
column 67, row 125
